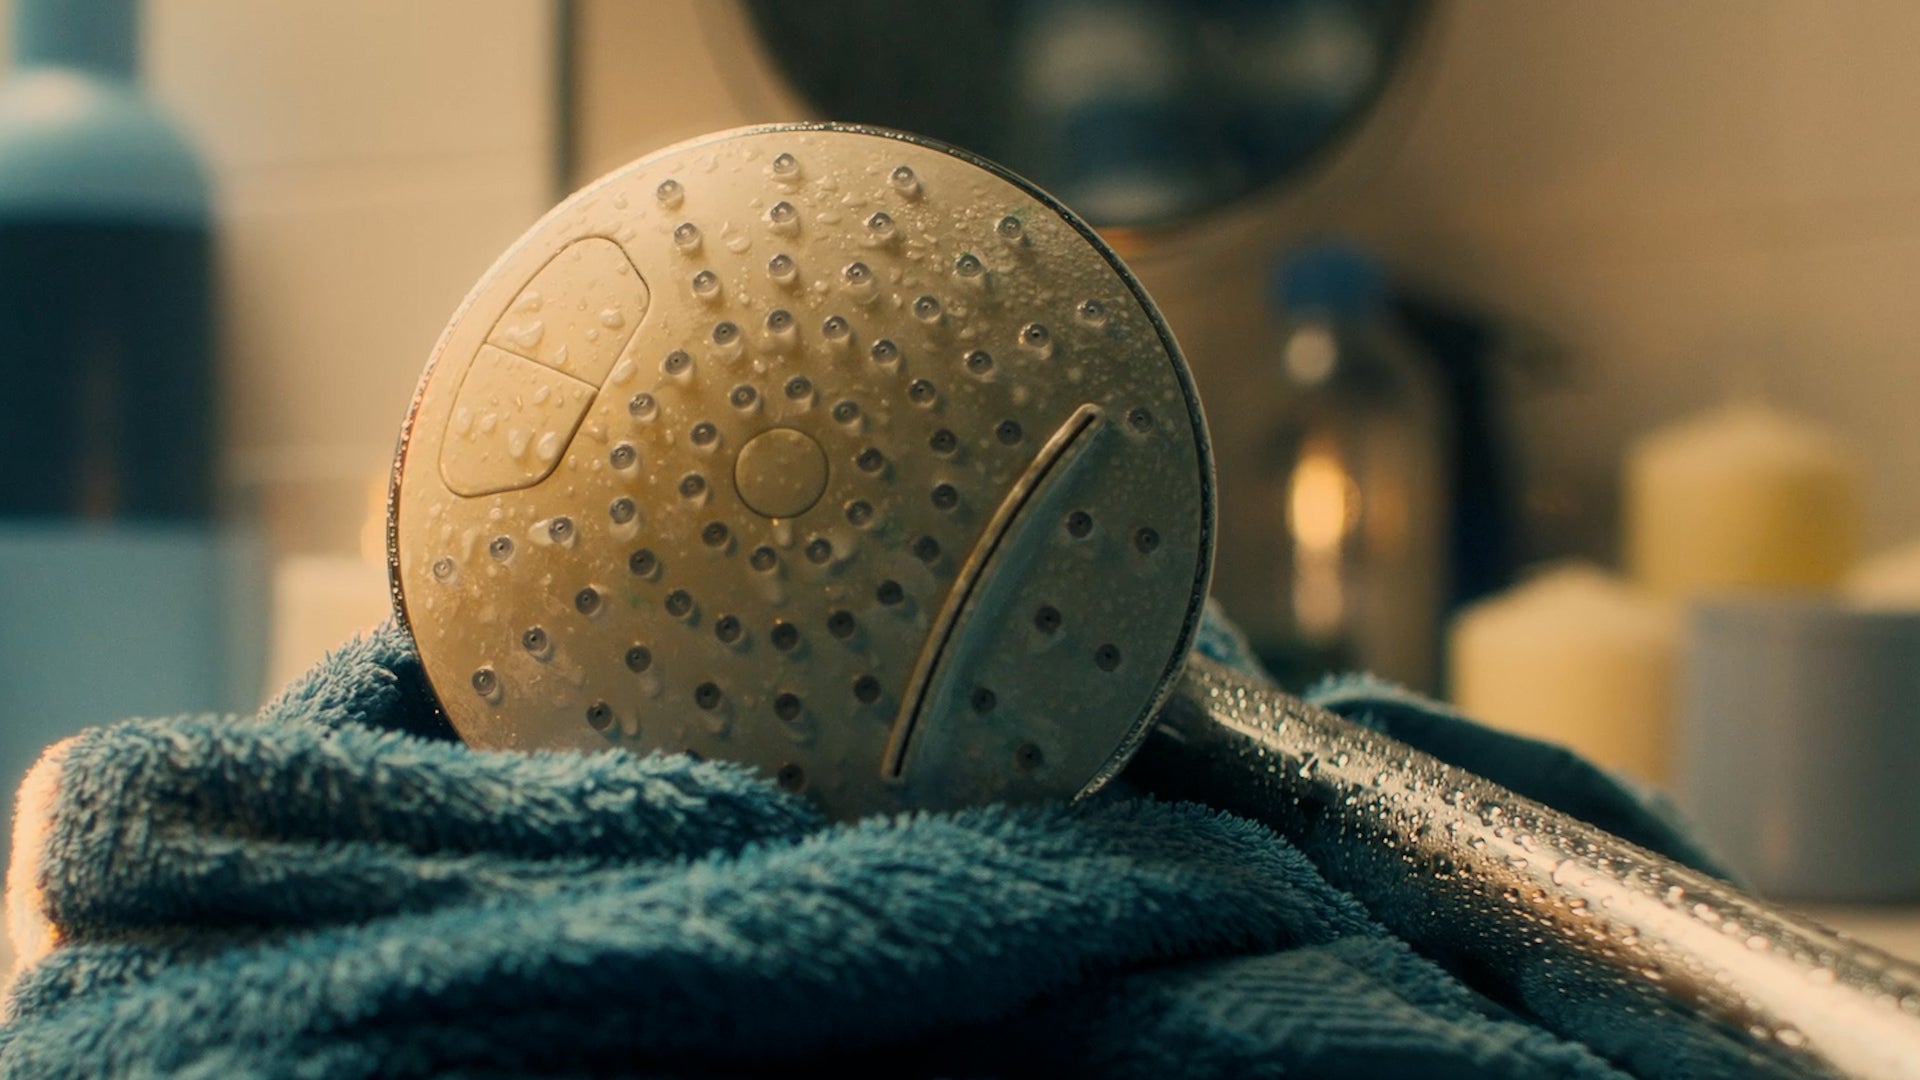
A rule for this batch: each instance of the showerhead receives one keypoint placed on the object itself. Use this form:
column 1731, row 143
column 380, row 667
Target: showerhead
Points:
column 853, row 457
column 827, row 449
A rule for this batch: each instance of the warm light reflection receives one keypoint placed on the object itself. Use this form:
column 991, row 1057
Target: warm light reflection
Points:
column 1323, row 506
column 1322, row 501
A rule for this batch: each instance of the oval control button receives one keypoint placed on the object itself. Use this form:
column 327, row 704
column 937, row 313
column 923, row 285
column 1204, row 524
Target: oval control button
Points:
column 578, row 312
column 511, row 423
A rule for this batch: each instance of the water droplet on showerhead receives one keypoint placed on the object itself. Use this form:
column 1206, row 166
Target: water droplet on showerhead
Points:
column 670, row 194
column 1010, row 229
column 706, row 285
column 969, row 266
column 927, row 308
column 782, row 270
column 642, row 406
column 904, row 181
column 686, row 237
column 623, row 456
column 784, row 166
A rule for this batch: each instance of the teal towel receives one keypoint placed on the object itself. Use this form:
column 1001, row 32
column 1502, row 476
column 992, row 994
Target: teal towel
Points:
column 335, row 888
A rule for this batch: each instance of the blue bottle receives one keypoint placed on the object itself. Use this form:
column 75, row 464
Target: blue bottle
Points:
column 107, row 382
column 1353, row 491
column 123, row 590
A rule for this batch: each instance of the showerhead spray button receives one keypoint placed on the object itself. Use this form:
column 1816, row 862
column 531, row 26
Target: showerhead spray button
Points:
column 780, row 473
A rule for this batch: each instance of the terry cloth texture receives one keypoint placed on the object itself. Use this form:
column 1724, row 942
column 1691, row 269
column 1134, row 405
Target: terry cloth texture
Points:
column 335, row 888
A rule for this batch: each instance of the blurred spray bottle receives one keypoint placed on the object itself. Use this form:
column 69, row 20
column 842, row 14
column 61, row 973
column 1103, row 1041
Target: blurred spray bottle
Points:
column 118, row 590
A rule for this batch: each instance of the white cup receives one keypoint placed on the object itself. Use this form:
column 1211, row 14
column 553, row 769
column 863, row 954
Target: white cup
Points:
column 1799, row 746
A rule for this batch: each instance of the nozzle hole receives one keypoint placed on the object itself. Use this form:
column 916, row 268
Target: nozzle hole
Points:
column 784, row 636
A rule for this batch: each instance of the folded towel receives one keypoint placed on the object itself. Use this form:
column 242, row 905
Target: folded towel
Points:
column 337, row 888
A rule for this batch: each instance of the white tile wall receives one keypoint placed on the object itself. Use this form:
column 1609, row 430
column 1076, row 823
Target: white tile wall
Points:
column 1695, row 200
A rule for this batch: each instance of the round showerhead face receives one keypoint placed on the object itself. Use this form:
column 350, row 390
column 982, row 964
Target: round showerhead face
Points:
column 825, row 449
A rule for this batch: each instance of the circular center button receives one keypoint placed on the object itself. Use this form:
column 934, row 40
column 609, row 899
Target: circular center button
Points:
column 780, row 473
